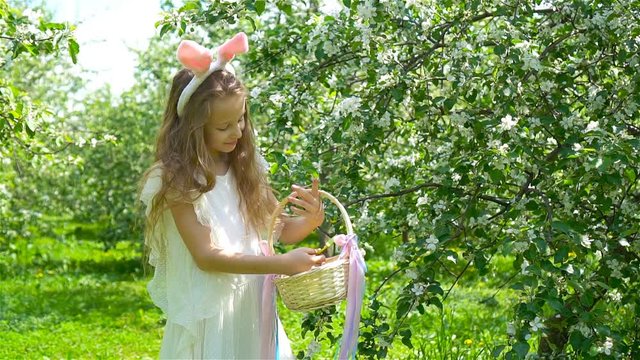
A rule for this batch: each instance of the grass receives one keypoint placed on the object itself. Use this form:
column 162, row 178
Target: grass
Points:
column 71, row 299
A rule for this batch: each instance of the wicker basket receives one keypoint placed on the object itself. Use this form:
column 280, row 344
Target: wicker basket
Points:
column 319, row 286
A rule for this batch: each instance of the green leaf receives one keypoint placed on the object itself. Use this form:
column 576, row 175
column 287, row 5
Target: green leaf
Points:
column 404, row 304
column 286, row 8
column 191, row 5
column 630, row 175
column 319, row 52
column 406, row 338
column 561, row 226
column 260, row 6
column 496, row 352
column 165, row 28
column 347, row 3
column 561, row 254
column 273, row 168
column 450, row 102
column 435, row 288
column 499, row 50
column 521, row 348
column 74, row 49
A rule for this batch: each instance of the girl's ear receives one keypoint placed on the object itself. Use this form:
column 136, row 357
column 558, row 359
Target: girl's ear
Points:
column 194, row 56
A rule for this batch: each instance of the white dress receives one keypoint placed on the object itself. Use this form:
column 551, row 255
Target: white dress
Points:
column 210, row 315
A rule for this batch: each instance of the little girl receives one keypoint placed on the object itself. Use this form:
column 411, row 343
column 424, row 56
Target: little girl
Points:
column 208, row 203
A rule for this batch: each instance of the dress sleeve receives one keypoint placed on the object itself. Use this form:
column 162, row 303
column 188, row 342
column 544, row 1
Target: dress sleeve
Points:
column 154, row 241
column 151, row 188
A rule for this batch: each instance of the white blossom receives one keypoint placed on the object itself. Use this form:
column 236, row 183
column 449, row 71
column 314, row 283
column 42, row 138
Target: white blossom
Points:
column 569, row 269
column 349, row 105
column 586, row 241
column 366, row 10
column 593, row 125
column 584, row 329
column 507, row 123
column 398, row 255
column 418, row 289
column 520, row 246
column 524, row 266
column 276, row 99
column 391, row 183
column 255, row 92
column 383, row 121
column 606, row 347
column 536, row 324
column 615, row 295
column 412, row 219
column 431, row 243
column 511, row 329
column 423, row 200
column 412, row 274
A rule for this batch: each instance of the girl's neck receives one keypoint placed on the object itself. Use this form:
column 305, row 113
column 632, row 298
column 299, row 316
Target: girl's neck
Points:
column 222, row 163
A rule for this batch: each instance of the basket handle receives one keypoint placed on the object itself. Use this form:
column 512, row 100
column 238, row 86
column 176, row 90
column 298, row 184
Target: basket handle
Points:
column 283, row 203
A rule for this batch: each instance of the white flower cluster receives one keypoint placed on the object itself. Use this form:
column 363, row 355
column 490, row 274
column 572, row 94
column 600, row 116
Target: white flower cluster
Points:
column 536, row 324
column 614, row 295
column 383, row 121
column 423, row 200
column 411, row 273
column 391, row 184
column 398, row 254
column 418, row 289
column 349, row 106
column 431, row 243
column 366, row 10
column 615, row 267
column 583, row 328
column 586, row 241
column 520, row 246
column 277, row 99
column 507, row 123
column 606, row 346
column 412, row 220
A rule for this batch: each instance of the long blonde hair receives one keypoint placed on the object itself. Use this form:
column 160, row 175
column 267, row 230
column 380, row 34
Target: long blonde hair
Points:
column 181, row 152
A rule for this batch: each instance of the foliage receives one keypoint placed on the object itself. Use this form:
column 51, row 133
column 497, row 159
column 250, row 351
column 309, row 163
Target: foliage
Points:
column 468, row 129
column 32, row 130
column 26, row 32
column 489, row 140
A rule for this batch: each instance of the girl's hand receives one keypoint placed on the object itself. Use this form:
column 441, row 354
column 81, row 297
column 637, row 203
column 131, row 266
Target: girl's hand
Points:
column 301, row 259
column 310, row 200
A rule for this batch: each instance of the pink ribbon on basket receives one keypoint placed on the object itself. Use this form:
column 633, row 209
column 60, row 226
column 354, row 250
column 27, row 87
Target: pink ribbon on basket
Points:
column 355, row 293
column 268, row 331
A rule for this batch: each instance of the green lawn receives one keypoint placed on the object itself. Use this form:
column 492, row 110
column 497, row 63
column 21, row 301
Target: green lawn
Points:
column 75, row 300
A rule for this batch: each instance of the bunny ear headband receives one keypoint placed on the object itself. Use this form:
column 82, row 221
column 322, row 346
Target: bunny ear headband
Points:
column 199, row 59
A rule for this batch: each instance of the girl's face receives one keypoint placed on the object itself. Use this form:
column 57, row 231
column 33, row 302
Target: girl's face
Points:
column 225, row 127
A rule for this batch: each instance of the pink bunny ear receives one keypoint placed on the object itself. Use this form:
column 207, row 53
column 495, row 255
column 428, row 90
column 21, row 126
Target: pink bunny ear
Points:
column 194, row 56
column 236, row 45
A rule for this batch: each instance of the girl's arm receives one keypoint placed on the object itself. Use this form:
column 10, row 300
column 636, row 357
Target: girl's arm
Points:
column 296, row 228
column 209, row 258
column 311, row 215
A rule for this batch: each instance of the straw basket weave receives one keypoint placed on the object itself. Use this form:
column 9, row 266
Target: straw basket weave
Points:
column 319, row 286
